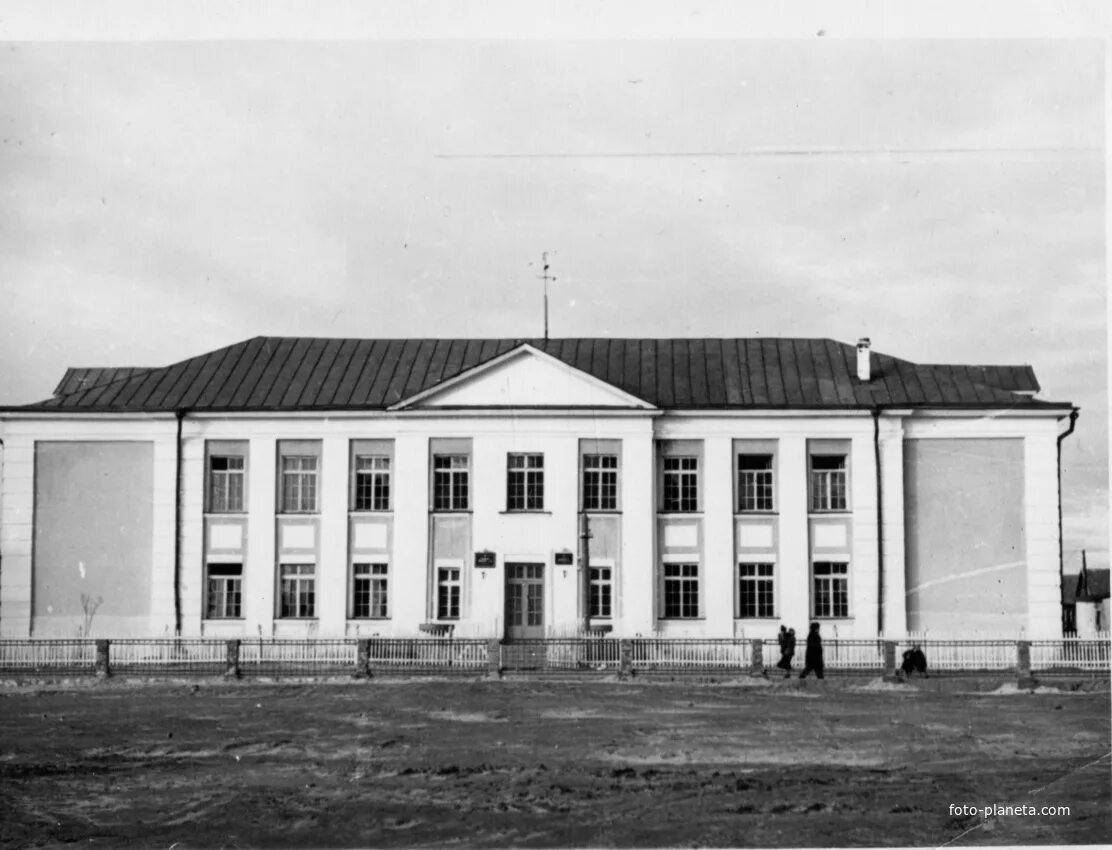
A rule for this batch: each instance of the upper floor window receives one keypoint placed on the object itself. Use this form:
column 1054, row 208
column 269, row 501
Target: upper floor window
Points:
column 450, row 482
column 225, row 476
column 828, row 483
column 600, row 482
column 225, row 490
column 372, row 483
column 754, row 483
column 525, row 482
column 299, row 484
column 681, row 484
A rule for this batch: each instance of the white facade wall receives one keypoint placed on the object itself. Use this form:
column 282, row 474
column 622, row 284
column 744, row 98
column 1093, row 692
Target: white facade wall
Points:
column 529, row 537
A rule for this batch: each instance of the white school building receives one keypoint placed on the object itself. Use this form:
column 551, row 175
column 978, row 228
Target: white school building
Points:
column 517, row 488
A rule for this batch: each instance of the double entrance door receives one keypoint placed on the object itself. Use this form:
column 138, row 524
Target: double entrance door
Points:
column 524, row 601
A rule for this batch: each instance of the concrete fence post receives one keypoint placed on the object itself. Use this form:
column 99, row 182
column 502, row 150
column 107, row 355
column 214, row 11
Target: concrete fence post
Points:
column 363, row 658
column 625, row 659
column 103, row 665
column 1023, row 662
column 890, row 659
column 756, row 664
column 494, row 658
column 231, row 659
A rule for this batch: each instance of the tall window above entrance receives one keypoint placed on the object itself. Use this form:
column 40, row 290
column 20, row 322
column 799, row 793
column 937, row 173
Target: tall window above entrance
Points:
column 525, row 482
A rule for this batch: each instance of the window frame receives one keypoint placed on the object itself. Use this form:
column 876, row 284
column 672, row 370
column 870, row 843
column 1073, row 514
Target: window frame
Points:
column 226, row 450
column 380, row 476
column 376, row 572
column 449, row 583
column 527, row 494
column 298, row 580
column 828, row 488
column 453, row 476
column 832, row 579
column 741, row 581
column 680, row 563
column 602, row 583
column 595, row 481
column 686, row 497
column 742, row 483
column 292, row 499
column 225, row 593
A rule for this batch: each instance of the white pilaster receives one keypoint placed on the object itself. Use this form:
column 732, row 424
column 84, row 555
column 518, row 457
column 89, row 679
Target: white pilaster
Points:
column 411, row 532
column 259, row 571
column 332, row 571
column 794, row 561
column 718, row 535
column 637, row 581
column 895, row 576
column 16, row 532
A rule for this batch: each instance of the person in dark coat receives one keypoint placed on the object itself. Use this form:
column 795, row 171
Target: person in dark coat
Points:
column 812, row 657
column 787, row 650
column 914, row 661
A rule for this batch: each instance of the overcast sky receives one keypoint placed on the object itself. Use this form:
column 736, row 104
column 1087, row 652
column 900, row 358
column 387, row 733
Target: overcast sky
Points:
column 945, row 198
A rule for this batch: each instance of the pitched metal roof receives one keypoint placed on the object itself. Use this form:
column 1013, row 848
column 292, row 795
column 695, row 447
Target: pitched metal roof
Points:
column 300, row 373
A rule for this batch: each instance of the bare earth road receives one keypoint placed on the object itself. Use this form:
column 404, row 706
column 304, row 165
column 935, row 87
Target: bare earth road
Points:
column 544, row 763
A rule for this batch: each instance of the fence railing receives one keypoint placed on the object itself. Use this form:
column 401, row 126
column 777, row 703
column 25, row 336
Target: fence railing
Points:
column 371, row 656
column 690, row 653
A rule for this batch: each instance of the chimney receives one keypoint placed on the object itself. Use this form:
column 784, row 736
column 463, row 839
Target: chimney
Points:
column 863, row 371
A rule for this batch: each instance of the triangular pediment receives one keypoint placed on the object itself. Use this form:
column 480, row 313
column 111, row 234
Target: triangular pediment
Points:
column 523, row 378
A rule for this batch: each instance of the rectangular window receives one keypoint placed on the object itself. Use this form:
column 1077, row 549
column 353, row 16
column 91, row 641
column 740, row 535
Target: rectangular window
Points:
column 681, row 590
column 525, row 482
column 600, row 482
column 298, row 590
column 369, row 591
column 601, row 591
column 681, row 484
column 755, row 597
column 450, row 482
column 225, row 488
column 372, row 483
column 831, row 589
column 299, row 484
column 224, row 592
column 447, row 593
column 828, row 483
column 754, row 483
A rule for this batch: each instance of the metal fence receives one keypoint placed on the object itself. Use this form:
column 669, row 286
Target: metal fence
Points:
column 351, row 656
column 435, row 655
column 560, row 654
column 64, row 657
column 967, row 656
column 281, row 657
column 180, row 657
column 1070, row 654
column 691, row 654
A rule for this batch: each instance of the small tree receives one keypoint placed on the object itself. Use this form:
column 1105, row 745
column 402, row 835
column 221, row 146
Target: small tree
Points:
column 89, row 606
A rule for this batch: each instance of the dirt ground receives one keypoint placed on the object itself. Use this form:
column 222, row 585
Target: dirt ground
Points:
column 545, row 763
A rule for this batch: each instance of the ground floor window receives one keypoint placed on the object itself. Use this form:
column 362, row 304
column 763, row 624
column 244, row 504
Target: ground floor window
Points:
column 447, row 593
column 831, row 588
column 369, row 591
column 755, row 590
column 602, row 587
column 681, row 590
column 224, row 591
column 298, row 590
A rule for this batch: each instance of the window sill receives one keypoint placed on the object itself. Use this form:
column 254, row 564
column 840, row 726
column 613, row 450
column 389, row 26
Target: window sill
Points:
column 368, row 511
column 756, row 513
column 682, row 619
column 601, row 511
column 368, row 619
column 527, row 512
column 446, row 511
column 226, row 513
column 223, row 619
column 297, row 513
column 845, row 512
column 774, row 618
column 282, row 619
column 679, row 513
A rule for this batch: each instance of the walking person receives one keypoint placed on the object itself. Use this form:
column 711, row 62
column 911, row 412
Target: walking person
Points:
column 812, row 657
column 787, row 650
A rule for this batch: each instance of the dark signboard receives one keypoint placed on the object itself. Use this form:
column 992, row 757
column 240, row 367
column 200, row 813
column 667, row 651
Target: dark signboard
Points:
column 484, row 559
column 564, row 559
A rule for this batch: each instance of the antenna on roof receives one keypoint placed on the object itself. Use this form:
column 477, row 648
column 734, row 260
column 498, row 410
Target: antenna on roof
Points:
column 546, row 278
